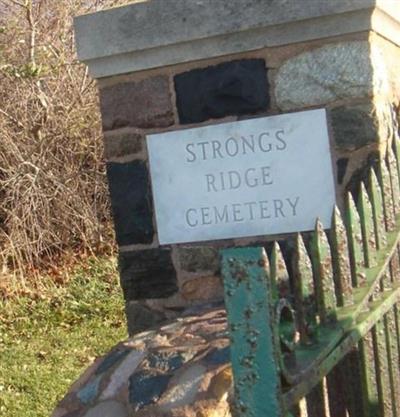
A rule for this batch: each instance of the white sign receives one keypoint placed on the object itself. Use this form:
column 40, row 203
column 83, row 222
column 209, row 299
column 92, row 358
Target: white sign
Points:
column 250, row 178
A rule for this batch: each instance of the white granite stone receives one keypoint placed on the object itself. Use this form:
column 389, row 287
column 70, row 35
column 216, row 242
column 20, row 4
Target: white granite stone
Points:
column 108, row 409
column 122, row 373
column 255, row 177
column 332, row 72
column 185, row 390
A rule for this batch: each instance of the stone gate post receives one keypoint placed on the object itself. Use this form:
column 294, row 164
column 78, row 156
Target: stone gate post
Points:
column 167, row 65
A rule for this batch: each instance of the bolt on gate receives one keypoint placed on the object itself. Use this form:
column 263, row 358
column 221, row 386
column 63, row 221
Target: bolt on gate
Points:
column 325, row 338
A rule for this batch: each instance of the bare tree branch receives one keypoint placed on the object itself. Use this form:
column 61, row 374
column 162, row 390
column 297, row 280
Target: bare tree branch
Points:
column 54, row 125
column 32, row 32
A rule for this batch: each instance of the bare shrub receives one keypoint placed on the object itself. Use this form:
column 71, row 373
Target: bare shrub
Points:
column 53, row 193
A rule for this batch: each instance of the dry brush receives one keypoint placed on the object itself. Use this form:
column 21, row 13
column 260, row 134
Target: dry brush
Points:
column 53, row 194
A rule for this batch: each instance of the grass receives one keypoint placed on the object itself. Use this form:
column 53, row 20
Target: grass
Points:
column 48, row 339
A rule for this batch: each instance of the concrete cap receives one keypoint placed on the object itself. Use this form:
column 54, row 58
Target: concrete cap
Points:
column 155, row 33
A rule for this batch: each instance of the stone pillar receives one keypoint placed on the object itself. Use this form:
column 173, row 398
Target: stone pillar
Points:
column 168, row 65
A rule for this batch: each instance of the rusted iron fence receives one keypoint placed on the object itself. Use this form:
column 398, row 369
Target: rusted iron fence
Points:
column 316, row 332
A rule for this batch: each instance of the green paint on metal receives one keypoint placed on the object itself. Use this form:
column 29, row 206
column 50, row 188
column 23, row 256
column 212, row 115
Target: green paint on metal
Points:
column 309, row 357
column 248, row 303
column 367, row 228
column 355, row 333
column 382, row 377
column 396, row 315
column 340, row 260
column 388, row 208
column 394, row 180
column 285, row 316
column 394, row 392
column 368, row 383
column 323, row 275
column 337, row 387
column 396, row 151
column 304, row 298
column 354, row 238
column 348, row 385
column 373, row 276
column 375, row 195
column 355, row 321
column 392, row 334
column 286, row 335
column 394, row 269
column 379, row 223
column 279, row 274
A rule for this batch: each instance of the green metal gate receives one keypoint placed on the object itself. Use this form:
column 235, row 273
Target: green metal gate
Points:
column 324, row 338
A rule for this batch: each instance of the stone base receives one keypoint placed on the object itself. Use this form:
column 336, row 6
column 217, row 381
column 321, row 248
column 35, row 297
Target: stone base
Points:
column 181, row 369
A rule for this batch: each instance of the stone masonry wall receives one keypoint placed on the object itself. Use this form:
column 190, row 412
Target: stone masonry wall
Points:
column 181, row 369
column 350, row 76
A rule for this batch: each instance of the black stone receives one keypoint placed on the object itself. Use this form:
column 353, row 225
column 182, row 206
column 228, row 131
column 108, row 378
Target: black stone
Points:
column 147, row 274
column 232, row 88
column 110, row 360
column 201, row 308
column 165, row 361
column 341, row 168
column 146, row 388
column 354, row 126
column 219, row 356
column 199, row 258
column 361, row 174
column 140, row 317
column 131, row 202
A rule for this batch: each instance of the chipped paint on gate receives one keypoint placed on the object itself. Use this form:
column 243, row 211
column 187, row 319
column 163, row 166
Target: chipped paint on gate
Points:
column 248, row 302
